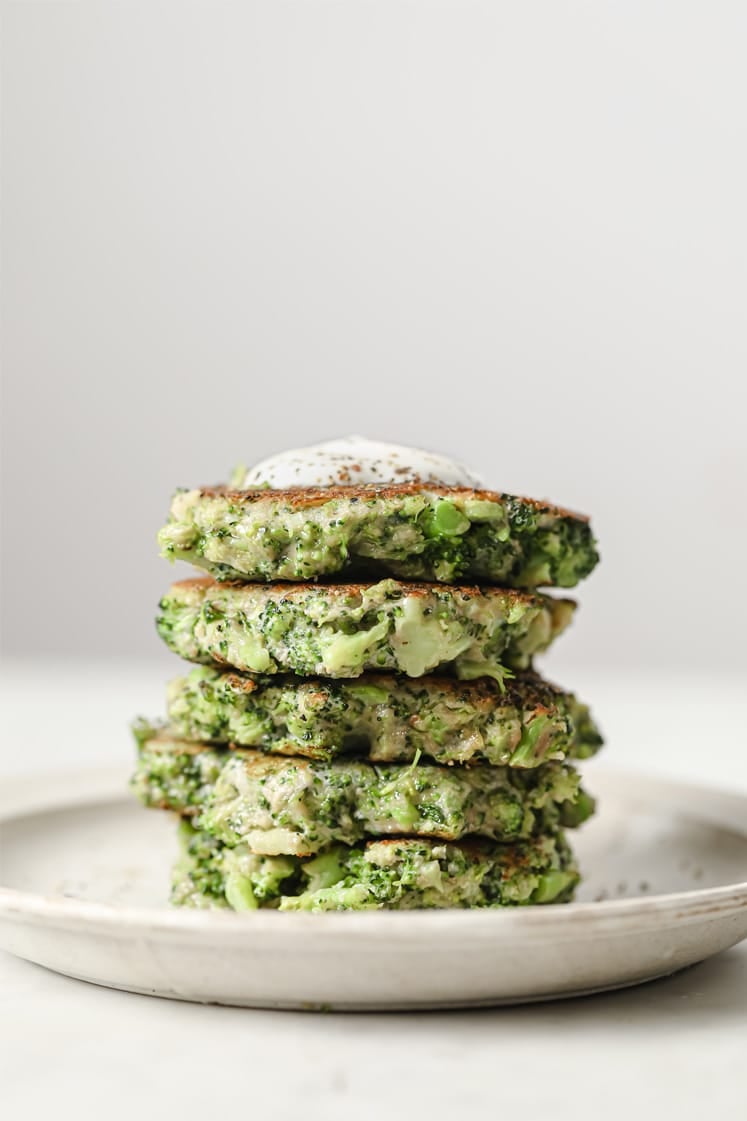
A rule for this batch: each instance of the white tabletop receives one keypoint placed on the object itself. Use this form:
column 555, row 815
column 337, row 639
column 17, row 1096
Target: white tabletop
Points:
column 674, row 1048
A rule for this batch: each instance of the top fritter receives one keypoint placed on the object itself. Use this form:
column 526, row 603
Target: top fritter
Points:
column 357, row 508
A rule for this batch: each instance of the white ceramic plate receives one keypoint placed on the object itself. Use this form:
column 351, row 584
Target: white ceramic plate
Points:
column 84, row 876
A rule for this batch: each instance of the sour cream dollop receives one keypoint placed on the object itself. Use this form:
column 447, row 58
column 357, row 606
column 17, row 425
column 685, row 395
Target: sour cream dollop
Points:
column 353, row 460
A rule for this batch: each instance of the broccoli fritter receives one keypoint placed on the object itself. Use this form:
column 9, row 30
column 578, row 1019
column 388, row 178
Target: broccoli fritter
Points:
column 342, row 630
column 282, row 805
column 397, row 874
column 384, row 717
column 409, row 530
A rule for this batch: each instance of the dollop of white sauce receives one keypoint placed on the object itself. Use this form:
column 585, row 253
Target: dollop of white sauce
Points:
column 353, row 460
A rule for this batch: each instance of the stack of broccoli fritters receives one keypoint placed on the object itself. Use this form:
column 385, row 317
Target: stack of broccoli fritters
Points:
column 376, row 743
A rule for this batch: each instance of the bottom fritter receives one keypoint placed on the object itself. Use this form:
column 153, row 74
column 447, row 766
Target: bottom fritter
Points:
column 396, row 874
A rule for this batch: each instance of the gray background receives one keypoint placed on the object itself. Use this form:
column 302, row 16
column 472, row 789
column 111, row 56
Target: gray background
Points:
column 512, row 232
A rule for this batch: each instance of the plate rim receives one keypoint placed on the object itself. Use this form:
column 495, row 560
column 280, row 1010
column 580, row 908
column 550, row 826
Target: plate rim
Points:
column 51, row 791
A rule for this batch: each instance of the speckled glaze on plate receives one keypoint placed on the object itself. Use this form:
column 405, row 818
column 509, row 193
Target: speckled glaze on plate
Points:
column 84, row 877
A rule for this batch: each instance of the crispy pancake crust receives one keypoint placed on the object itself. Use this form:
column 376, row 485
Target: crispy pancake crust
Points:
column 303, row 497
column 343, row 591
